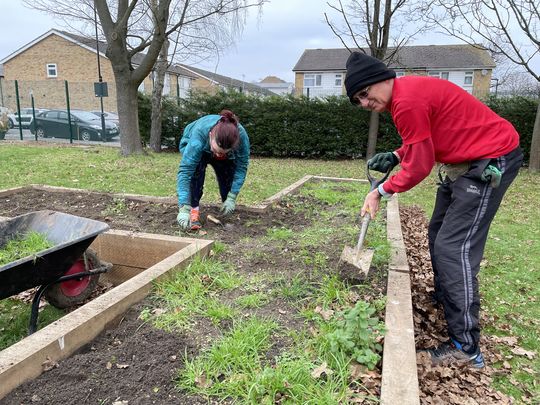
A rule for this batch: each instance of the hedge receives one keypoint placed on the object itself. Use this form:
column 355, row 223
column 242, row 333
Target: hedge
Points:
column 329, row 128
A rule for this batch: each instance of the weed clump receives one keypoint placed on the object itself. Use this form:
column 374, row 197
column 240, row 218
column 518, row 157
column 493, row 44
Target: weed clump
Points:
column 23, row 246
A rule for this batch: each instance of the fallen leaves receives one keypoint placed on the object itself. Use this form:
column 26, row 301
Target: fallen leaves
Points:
column 321, row 370
column 458, row 385
column 49, row 364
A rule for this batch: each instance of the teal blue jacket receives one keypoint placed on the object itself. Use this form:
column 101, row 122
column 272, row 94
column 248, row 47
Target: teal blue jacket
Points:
column 195, row 141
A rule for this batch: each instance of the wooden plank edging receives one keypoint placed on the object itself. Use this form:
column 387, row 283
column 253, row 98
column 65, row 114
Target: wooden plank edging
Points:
column 399, row 372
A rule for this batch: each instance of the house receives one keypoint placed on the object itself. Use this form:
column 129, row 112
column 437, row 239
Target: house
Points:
column 211, row 82
column 42, row 66
column 276, row 85
column 321, row 72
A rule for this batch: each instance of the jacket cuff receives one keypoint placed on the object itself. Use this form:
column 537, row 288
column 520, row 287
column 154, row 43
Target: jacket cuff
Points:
column 382, row 192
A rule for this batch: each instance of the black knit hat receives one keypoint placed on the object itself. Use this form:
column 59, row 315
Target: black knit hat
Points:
column 364, row 70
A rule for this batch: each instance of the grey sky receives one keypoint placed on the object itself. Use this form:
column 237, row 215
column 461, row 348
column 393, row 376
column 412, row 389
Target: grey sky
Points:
column 270, row 45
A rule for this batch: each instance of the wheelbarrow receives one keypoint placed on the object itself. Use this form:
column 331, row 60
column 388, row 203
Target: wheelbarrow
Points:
column 66, row 273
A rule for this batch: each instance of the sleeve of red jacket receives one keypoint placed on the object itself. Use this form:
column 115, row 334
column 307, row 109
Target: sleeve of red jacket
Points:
column 417, row 160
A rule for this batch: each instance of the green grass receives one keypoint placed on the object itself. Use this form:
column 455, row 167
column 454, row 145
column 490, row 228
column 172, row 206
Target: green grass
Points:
column 22, row 246
column 188, row 294
column 14, row 319
column 102, row 169
column 234, row 367
column 255, row 300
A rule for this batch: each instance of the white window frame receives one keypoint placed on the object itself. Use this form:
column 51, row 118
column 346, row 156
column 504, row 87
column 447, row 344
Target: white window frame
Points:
column 50, row 68
column 167, row 84
column 468, row 75
column 441, row 74
column 316, row 77
column 338, row 80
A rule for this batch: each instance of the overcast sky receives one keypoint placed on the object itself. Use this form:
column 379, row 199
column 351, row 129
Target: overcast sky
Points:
column 269, row 45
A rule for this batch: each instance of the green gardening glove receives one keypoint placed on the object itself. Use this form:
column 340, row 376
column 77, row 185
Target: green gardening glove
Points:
column 229, row 205
column 383, row 162
column 492, row 175
column 183, row 216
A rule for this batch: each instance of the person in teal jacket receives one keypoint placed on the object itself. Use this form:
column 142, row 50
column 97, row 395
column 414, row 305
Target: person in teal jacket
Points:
column 221, row 142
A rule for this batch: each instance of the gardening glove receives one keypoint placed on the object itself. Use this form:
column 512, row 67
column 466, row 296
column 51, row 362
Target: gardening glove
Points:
column 382, row 162
column 183, row 216
column 229, row 205
column 492, row 175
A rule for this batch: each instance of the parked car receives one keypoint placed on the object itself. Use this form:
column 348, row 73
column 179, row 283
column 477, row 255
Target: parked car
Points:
column 86, row 126
column 26, row 117
column 109, row 116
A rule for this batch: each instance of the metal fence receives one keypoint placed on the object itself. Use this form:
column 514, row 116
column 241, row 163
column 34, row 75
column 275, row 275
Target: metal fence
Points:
column 26, row 99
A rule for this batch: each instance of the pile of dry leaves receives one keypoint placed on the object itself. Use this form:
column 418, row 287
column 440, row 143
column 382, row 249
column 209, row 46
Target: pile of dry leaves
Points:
column 446, row 384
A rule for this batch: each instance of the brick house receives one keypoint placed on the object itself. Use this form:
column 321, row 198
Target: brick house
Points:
column 322, row 71
column 211, row 82
column 276, row 85
column 43, row 65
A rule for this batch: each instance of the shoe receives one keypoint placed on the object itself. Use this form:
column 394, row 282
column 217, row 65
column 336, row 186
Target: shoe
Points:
column 194, row 220
column 451, row 352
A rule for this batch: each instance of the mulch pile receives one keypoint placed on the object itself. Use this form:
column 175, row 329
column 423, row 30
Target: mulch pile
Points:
column 447, row 384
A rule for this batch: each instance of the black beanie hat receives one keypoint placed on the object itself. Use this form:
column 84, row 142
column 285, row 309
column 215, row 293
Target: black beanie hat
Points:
column 364, row 70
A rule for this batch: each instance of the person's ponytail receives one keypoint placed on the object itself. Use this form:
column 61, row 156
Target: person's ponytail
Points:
column 226, row 130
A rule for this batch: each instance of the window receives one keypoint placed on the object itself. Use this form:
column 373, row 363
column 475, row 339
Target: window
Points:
column 51, row 70
column 400, row 74
column 468, row 78
column 312, row 80
column 439, row 74
column 338, row 79
column 184, row 86
column 167, row 84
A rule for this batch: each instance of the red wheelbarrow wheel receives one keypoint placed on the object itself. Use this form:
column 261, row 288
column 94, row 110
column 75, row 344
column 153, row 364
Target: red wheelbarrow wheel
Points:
column 74, row 292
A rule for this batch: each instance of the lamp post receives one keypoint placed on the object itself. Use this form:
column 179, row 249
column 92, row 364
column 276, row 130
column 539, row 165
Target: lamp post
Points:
column 496, row 85
column 100, row 87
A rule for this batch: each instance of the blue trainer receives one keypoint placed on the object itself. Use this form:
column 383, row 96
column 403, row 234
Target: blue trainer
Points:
column 452, row 352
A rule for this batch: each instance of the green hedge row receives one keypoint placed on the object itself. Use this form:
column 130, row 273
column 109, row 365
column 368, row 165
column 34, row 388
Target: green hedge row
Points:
column 329, row 128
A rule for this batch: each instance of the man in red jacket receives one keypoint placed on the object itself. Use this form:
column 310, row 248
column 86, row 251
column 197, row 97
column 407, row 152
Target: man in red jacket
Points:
column 479, row 151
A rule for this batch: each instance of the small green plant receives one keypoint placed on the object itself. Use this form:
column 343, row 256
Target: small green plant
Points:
column 218, row 247
column 357, row 334
column 117, row 207
column 295, row 288
column 22, row 246
column 279, row 233
column 255, row 300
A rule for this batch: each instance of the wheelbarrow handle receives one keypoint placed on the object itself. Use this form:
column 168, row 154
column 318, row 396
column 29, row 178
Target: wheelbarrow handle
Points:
column 375, row 182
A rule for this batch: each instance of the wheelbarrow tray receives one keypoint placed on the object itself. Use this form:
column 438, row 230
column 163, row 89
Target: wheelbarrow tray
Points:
column 71, row 236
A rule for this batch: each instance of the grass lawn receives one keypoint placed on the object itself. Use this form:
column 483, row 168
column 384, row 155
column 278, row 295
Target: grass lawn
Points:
column 510, row 280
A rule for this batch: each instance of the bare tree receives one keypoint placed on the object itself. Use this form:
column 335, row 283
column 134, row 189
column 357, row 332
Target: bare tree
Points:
column 510, row 28
column 140, row 28
column 157, row 97
column 369, row 24
column 201, row 40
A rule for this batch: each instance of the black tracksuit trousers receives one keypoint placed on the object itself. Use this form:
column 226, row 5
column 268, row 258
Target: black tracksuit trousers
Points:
column 224, row 168
column 457, row 235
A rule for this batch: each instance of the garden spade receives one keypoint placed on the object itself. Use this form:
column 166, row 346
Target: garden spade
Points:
column 357, row 257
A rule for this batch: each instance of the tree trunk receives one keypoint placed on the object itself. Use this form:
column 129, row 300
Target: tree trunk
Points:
column 157, row 98
column 534, row 159
column 372, row 134
column 128, row 113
